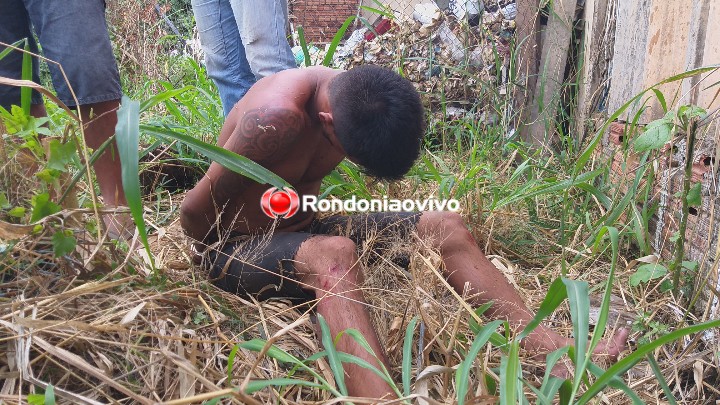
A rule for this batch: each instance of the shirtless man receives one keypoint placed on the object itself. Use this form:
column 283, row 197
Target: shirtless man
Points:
column 301, row 124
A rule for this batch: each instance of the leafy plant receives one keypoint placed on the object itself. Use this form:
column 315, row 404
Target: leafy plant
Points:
column 46, row 398
column 647, row 272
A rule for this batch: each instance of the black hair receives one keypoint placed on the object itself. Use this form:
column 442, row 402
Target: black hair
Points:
column 378, row 119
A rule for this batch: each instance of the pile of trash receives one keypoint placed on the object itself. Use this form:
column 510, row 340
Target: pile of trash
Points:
column 454, row 54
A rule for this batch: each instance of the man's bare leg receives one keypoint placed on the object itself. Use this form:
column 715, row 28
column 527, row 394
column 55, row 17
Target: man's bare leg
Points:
column 100, row 120
column 98, row 128
column 330, row 265
column 465, row 263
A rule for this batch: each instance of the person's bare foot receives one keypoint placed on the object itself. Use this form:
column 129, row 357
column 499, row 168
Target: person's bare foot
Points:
column 607, row 351
column 119, row 226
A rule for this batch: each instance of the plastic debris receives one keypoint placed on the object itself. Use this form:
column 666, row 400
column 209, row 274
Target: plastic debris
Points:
column 355, row 38
column 509, row 11
column 450, row 61
column 466, row 8
column 300, row 55
column 380, row 28
column 427, row 13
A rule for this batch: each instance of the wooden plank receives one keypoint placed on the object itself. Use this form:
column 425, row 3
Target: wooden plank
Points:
column 594, row 69
column 711, row 56
column 696, row 47
column 669, row 37
column 628, row 65
column 527, row 59
column 553, row 60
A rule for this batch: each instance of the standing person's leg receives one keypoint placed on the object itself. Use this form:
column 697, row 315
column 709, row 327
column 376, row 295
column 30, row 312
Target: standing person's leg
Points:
column 224, row 51
column 263, row 28
column 75, row 35
column 465, row 263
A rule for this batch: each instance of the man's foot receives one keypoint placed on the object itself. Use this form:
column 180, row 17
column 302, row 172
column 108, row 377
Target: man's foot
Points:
column 611, row 348
column 119, row 226
column 607, row 351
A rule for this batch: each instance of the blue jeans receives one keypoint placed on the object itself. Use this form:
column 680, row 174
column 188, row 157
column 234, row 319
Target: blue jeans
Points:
column 243, row 41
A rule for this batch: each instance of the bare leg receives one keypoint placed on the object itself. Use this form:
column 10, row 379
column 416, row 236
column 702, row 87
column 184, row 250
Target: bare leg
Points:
column 100, row 120
column 465, row 263
column 329, row 264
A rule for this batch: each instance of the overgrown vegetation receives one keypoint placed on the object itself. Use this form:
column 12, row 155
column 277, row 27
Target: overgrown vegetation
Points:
column 86, row 319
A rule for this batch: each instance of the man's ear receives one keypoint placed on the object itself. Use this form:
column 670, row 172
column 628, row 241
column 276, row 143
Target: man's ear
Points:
column 326, row 119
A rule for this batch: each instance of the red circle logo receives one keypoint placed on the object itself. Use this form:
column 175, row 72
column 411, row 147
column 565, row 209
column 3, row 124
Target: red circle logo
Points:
column 276, row 203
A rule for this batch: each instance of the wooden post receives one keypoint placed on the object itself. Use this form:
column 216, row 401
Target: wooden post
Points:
column 527, row 56
column 553, row 60
column 598, row 43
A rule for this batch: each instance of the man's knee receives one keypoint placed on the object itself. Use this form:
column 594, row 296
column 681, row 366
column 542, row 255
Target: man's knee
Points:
column 327, row 250
column 328, row 262
column 445, row 229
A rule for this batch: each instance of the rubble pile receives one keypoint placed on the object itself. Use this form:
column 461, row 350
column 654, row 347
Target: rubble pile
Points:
column 452, row 54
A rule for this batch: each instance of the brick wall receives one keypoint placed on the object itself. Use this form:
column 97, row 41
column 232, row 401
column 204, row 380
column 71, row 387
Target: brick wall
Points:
column 321, row 19
column 703, row 226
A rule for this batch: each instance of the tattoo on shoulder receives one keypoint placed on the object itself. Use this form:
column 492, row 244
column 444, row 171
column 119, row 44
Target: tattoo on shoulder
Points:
column 264, row 133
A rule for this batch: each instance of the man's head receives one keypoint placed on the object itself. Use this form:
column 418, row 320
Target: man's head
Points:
column 378, row 119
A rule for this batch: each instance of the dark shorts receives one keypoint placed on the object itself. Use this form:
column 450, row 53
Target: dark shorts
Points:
column 262, row 266
column 72, row 33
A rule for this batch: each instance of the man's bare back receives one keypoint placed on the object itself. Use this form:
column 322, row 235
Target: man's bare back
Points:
column 281, row 124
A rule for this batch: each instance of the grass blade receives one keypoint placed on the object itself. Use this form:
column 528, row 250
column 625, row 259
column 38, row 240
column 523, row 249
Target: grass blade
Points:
column 633, row 358
column 26, row 74
column 230, row 160
column 303, row 45
column 231, row 362
column 605, row 305
column 128, row 138
column 579, row 299
column 407, row 356
column 349, row 358
column 550, row 384
column 550, row 188
column 50, row 395
column 462, row 375
column 360, row 339
column 258, row 345
column 555, row 296
column 257, row 385
column 333, row 358
column 616, row 383
column 510, row 375
column 336, row 40
column 163, row 96
column 18, row 44
column 661, row 379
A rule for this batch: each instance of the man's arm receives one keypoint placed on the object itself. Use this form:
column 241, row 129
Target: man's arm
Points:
column 264, row 135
